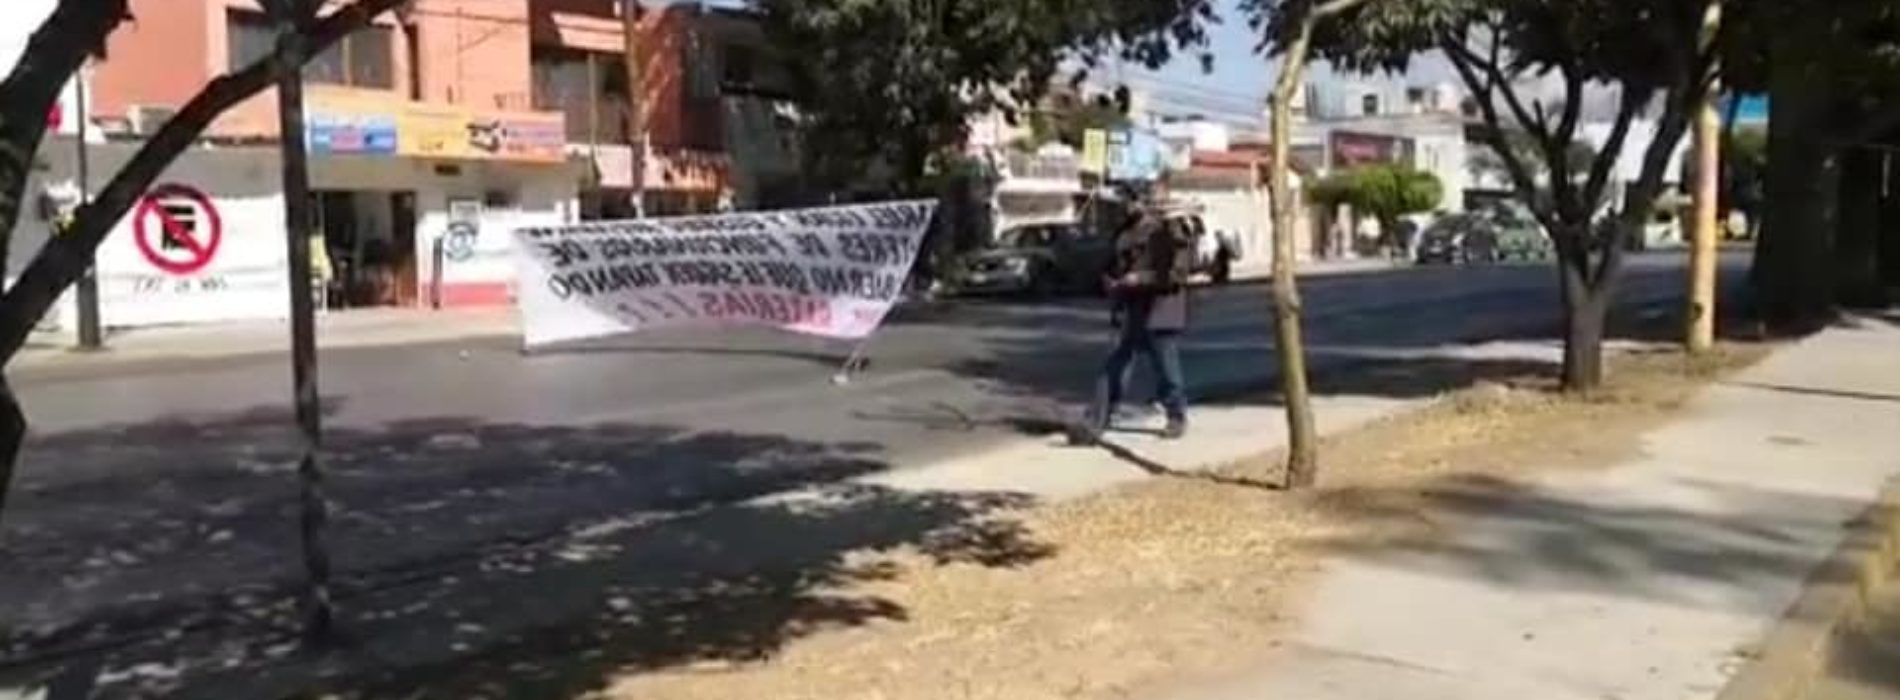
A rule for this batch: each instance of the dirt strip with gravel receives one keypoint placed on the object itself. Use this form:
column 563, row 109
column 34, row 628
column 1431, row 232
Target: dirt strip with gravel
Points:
column 1180, row 577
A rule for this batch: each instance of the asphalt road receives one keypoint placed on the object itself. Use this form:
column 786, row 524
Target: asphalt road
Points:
column 150, row 486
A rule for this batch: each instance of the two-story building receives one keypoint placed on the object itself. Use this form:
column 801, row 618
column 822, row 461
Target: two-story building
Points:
column 446, row 124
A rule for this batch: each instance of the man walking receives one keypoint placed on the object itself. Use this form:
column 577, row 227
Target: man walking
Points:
column 1147, row 285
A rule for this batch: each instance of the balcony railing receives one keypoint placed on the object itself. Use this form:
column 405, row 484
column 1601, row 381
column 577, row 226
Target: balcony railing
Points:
column 1043, row 167
column 608, row 124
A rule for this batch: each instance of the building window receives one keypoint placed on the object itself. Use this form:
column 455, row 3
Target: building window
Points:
column 738, row 66
column 700, row 58
column 362, row 59
column 590, row 87
column 1369, row 105
column 251, row 38
column 412, row 47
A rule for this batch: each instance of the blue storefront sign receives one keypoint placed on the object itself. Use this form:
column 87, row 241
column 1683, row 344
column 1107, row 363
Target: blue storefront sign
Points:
column 1748, row 109
column 1135, row 155
column 362, row 134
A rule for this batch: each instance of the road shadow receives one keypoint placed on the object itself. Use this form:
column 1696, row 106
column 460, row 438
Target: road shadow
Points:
column 1039, row 384
column 474, row 559
column 1736, row 549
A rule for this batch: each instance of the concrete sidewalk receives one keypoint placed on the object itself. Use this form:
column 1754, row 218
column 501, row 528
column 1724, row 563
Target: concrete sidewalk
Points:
column 1653, row 579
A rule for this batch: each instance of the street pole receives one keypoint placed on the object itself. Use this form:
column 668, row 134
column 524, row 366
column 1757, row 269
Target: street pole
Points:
column 636, row 102
column 319, row 615
column 86, row 294
column 1700, row 316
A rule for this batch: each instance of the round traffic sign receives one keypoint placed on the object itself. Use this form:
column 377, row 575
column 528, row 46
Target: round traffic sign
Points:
column 459, row 245
column 177, row 228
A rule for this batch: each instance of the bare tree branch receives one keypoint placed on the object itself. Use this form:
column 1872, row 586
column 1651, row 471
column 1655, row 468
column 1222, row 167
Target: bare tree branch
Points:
column 1484, row 91
column 65, row 257
column 52, row 55
column 1557, row 145
column 1629, row 103
column 1662, row 148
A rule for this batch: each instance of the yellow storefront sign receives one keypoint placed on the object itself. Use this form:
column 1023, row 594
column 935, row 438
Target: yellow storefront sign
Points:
column 433, row 132
column 447, row 132
column 1094, row 151
column 354, row 121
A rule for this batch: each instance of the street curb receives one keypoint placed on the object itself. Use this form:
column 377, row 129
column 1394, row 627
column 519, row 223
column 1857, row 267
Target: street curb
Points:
column 1834, row 600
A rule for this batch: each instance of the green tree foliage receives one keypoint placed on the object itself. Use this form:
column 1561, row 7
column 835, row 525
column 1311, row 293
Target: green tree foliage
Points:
column 1832, row 74
column 1528, row 65
column 886, row 85
column 1385, row 192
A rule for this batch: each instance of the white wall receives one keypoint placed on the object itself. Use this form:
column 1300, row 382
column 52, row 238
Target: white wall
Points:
column 1243, row 212
column 245, row 276
column 1449, row 157
column 541, row 195
column 1238, row 212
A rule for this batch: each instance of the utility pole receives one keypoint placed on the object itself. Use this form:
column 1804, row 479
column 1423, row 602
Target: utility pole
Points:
column 86, row 293
column 636, row 102
column 1700, row 316
column 292, row 17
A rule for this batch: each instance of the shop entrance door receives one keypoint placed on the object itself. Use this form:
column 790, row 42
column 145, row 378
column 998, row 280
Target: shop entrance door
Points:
column 371, row 239
column 402, row 210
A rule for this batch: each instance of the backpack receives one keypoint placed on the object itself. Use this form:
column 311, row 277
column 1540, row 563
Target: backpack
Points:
column 1161, row 250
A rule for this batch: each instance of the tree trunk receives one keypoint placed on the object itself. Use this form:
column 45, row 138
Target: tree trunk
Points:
column 1887, row 248
column 1302, row 456
column 1585, row 313
column 12, row 436
column 314, row 506
column 1795, row 251
column 1699, row 317
column 1857, row 240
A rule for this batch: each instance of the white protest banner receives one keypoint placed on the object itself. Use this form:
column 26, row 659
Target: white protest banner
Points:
column 832, row 271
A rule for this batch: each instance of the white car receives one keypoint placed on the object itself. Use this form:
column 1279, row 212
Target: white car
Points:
column 1215, row 252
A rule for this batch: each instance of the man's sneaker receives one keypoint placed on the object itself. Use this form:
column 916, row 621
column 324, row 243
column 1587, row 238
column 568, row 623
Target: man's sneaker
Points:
column 1177, row 429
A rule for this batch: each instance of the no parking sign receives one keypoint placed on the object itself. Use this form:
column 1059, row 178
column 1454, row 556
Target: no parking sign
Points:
column 177, row 228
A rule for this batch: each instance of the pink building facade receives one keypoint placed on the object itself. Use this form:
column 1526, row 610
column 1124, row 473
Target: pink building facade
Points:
column 450, row 122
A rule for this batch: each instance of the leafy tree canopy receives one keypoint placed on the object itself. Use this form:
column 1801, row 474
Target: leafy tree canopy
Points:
column 1653, row 55
column 1385, row 191
column 894, row 82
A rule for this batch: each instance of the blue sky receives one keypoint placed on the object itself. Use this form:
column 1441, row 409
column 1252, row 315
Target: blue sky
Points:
column 1238, row 84
column 1240, row 78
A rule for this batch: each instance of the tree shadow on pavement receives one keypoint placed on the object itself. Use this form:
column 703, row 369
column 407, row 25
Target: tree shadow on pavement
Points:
column 474, row 559
column 1722, row 554
column 1038, row 385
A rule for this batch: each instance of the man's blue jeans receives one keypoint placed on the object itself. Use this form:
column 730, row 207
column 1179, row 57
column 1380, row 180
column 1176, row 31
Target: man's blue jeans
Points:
column 1163, row 352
